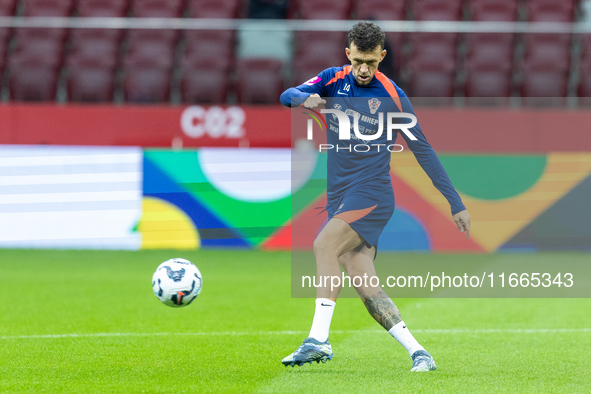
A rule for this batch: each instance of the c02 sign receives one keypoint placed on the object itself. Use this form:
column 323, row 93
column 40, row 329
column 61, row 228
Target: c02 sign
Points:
column 214, row 122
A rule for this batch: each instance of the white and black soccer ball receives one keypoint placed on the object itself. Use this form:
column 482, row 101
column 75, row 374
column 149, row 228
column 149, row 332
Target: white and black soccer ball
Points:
column 177, row 282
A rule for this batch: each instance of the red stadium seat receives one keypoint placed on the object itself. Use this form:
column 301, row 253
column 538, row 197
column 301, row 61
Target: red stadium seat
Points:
column 95, row 43
column 4, row 35
column 210, row 44
column 439, row 10
column 7, row 7
column 260, row 81
column 90, row 80
column 149, row 56
column 325, row 9
column 550, row 10
column 157, row 8
column 102, row 8
column 584, row 87
column 487, row 79
column 431, row 78
column 32, row 80
column 146, row 84
column 380, row 10
column 3, row 51
column 493, row 10
column 204, row 86
column 222, row 59
column 214, row 8
column 546, row 65
column 305, row 68
column 168, row 36
column 48, row 7
column 24, row 35
column 204, row 80
column 210, row 41
column 43, row 45
column 435, row 46
column 553, row 50
column 487, row 84
column 151, row 47
column 490, row 49
column 321, row 45
column 543, row 80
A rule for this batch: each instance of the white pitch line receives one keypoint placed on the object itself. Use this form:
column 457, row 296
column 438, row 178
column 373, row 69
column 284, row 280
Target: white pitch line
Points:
column 235, row 333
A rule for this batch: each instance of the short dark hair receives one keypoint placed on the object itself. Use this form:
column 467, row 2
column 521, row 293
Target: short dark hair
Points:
column 367, row 36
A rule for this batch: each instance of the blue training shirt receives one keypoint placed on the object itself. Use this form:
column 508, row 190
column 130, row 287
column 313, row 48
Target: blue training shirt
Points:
column 348, row 167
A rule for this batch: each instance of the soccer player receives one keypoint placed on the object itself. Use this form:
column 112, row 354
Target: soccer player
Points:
column 359, row 190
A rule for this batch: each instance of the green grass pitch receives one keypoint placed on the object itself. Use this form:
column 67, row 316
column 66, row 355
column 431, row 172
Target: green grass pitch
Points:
column 88, row 322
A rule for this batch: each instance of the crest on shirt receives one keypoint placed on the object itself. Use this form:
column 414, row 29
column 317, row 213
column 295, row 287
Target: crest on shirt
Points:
column 374, row 104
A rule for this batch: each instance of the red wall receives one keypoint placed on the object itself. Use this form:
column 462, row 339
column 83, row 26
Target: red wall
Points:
column 448, row 129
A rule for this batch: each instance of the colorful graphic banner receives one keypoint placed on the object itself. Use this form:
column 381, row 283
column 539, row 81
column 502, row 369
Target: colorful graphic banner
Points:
column 126, row 198
column 70, row 197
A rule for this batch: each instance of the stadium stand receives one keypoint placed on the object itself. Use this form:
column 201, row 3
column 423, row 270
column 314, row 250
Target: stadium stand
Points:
column 488, row 65
column 102, row 8
column 91, row 64
column 157, row 8
column 48, row 7
column 139, row 65
column 437, row 10
column 210, row 44
column 146, row 83
column 325, row 9
column 431, row 77
column 31, row 80
column 545, row 66
column 432, row 64
column 214, row 8
column 148, row 64
column 206, row 64
column 584, row 85
column 7, row 7
column 380, row 10
column 90, row 79
column 493, row 10
column 260, row 81
column 95, row 43
column 204, row 80
column 550, row 10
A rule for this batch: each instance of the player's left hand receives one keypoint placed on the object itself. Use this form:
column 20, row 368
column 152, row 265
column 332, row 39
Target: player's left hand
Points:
column 462, row 220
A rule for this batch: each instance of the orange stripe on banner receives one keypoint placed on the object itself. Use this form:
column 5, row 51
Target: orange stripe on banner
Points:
column 389, row 88
column 340, row 74
column 351, row 216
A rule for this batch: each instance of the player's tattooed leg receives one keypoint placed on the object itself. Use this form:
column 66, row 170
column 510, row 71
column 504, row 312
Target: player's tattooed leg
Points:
column 383, row 309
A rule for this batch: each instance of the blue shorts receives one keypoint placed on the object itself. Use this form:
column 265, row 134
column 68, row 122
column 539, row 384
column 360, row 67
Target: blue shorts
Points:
column 367, row 208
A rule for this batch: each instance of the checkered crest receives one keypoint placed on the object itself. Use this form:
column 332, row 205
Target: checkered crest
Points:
column 374, row 104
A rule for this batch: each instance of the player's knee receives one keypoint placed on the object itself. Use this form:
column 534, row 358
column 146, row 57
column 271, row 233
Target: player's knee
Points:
column 322, row 247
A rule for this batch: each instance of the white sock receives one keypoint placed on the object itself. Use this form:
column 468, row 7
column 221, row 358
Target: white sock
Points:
column 403, row 335
column 322, row 318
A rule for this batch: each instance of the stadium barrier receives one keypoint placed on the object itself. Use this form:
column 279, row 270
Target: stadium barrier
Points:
column 475, row 130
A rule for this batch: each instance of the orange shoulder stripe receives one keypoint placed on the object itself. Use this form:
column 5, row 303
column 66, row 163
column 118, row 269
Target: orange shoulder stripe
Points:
column 389, row 86
column 340, row 74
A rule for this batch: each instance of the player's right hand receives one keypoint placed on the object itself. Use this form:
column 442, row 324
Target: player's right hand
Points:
column 462, row 220
column 313, row 101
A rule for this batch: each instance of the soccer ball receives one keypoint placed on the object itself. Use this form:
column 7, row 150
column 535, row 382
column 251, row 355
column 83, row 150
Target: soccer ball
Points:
column 177, row 282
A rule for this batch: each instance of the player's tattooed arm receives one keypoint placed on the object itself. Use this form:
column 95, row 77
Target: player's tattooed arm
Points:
column 383, row 309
